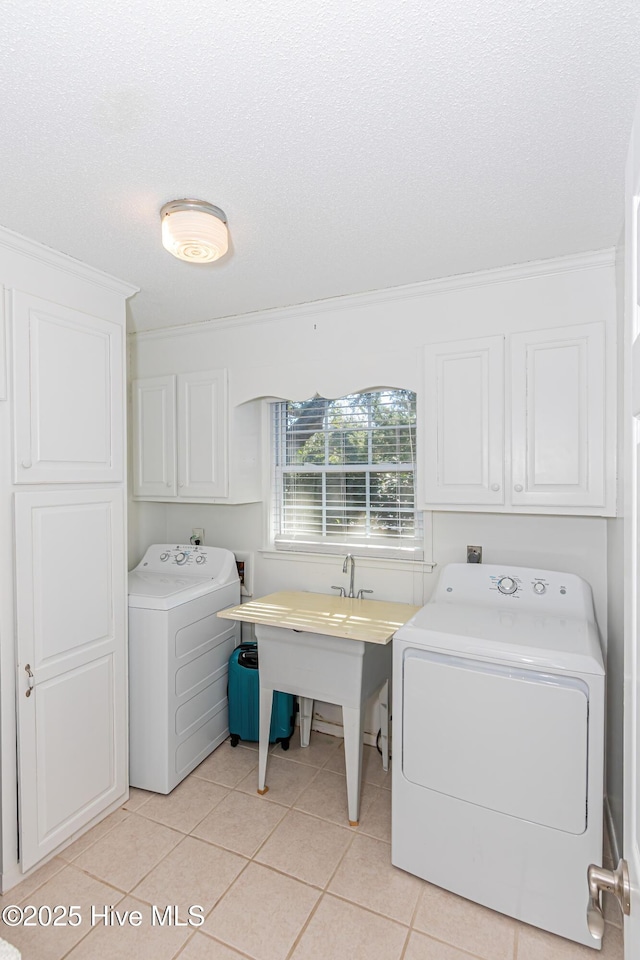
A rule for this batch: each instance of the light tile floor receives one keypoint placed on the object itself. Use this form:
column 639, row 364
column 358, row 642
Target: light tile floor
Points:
column 279, row 877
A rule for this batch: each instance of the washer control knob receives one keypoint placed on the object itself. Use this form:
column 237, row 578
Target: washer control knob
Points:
column 507, row 585
column 164, row 556
column 539, row 588
column 181, row 558
column 200, row 558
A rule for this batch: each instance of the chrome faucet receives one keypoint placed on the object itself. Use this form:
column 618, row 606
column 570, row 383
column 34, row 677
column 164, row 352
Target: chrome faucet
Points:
column 349, row 557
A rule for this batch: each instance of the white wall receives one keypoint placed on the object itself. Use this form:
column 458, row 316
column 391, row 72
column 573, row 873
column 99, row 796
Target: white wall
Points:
column 573, row 544
column 352, row 343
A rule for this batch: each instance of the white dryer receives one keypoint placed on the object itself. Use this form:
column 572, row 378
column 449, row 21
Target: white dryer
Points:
column 178, row 656
column 498, row 743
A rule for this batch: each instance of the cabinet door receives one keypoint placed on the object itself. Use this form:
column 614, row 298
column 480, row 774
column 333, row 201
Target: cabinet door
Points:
column 68, row 385
column 202, row 434
column 154, row 437
column 558, row 404
column 71, row 651
column 463, row 416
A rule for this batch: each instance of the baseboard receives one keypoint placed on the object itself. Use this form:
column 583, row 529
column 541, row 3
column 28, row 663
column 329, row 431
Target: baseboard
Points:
column 336, row 730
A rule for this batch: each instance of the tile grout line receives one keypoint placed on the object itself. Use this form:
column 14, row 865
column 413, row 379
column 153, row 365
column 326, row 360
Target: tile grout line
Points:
column 129, row 893
column 184, row 946
column 220, row 898
column 127, row 814
column 417, row 906
column 78, row 942
column 325, row 889
column 405, row 945
column 462, row 950
column 241, row 953
column 445, row 943
column 362, row 906
column 305, row 926
column 91, row 929
column 210, row 811
column 65, row 863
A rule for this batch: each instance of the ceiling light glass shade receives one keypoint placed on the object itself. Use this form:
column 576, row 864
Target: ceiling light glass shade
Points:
column 194, row 230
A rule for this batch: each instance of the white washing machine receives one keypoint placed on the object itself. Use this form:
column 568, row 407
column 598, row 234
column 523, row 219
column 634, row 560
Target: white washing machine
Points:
column 498, row 743
column 178, row 656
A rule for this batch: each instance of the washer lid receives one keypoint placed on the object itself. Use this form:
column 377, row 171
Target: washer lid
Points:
column 556, row 643
column 155, row 591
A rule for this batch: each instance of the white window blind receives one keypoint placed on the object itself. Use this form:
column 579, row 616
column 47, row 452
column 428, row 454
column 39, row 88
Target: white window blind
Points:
column 344, row 475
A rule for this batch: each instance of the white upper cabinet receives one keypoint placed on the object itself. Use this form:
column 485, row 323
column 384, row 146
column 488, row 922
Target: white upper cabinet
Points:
column 68, row 377
column 154, row 434
column 202, row 434
column 181, row 443
column 463, row 422
column 533, row 441
column 558, row 417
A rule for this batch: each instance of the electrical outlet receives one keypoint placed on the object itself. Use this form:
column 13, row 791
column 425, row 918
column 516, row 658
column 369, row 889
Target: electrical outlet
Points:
column 474, row 554
column 197, row 533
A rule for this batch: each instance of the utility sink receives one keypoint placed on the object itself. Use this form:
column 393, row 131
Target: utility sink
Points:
column 373, row 621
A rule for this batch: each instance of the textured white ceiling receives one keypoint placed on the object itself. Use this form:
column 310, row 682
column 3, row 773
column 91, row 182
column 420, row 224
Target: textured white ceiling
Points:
column 354, row 144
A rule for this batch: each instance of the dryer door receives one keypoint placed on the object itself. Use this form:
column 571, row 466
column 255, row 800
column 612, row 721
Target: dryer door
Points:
column 512, row 740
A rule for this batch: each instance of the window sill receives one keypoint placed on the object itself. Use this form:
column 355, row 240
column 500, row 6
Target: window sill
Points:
column 380, row 563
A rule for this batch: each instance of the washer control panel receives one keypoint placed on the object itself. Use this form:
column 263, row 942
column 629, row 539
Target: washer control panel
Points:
column 541, row 591
column 510, row 585
column 180, row 555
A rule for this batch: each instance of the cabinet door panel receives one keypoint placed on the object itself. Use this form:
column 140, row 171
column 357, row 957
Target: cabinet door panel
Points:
column 71, row 608
column 463, row 417
column 558, row 417
column 154, row 433
column 69, row 386
column 202, row 434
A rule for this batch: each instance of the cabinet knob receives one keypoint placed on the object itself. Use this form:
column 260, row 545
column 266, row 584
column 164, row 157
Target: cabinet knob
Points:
column 495, row 487
column 26, row 464
column 168, row 483
column 518, row 488
column 181, row 484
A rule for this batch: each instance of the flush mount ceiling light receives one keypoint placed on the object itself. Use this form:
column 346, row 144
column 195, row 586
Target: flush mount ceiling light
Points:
column 194, row 230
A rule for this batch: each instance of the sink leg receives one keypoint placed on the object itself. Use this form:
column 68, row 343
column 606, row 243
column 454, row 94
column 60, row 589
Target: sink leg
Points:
column 306, row 713
column 383, row 701
column 352, row 722
column 266, row 700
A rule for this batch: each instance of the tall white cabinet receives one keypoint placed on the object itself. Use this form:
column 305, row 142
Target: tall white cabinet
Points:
column 63, row 676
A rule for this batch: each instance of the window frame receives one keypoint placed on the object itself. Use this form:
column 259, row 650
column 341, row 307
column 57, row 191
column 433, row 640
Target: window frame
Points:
column 401, row 548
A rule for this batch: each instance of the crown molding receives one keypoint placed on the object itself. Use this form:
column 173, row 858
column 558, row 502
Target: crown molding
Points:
column 425, row 288
column 17, row 243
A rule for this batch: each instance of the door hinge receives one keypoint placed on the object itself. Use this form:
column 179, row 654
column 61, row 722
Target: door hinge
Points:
column 609, row 881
